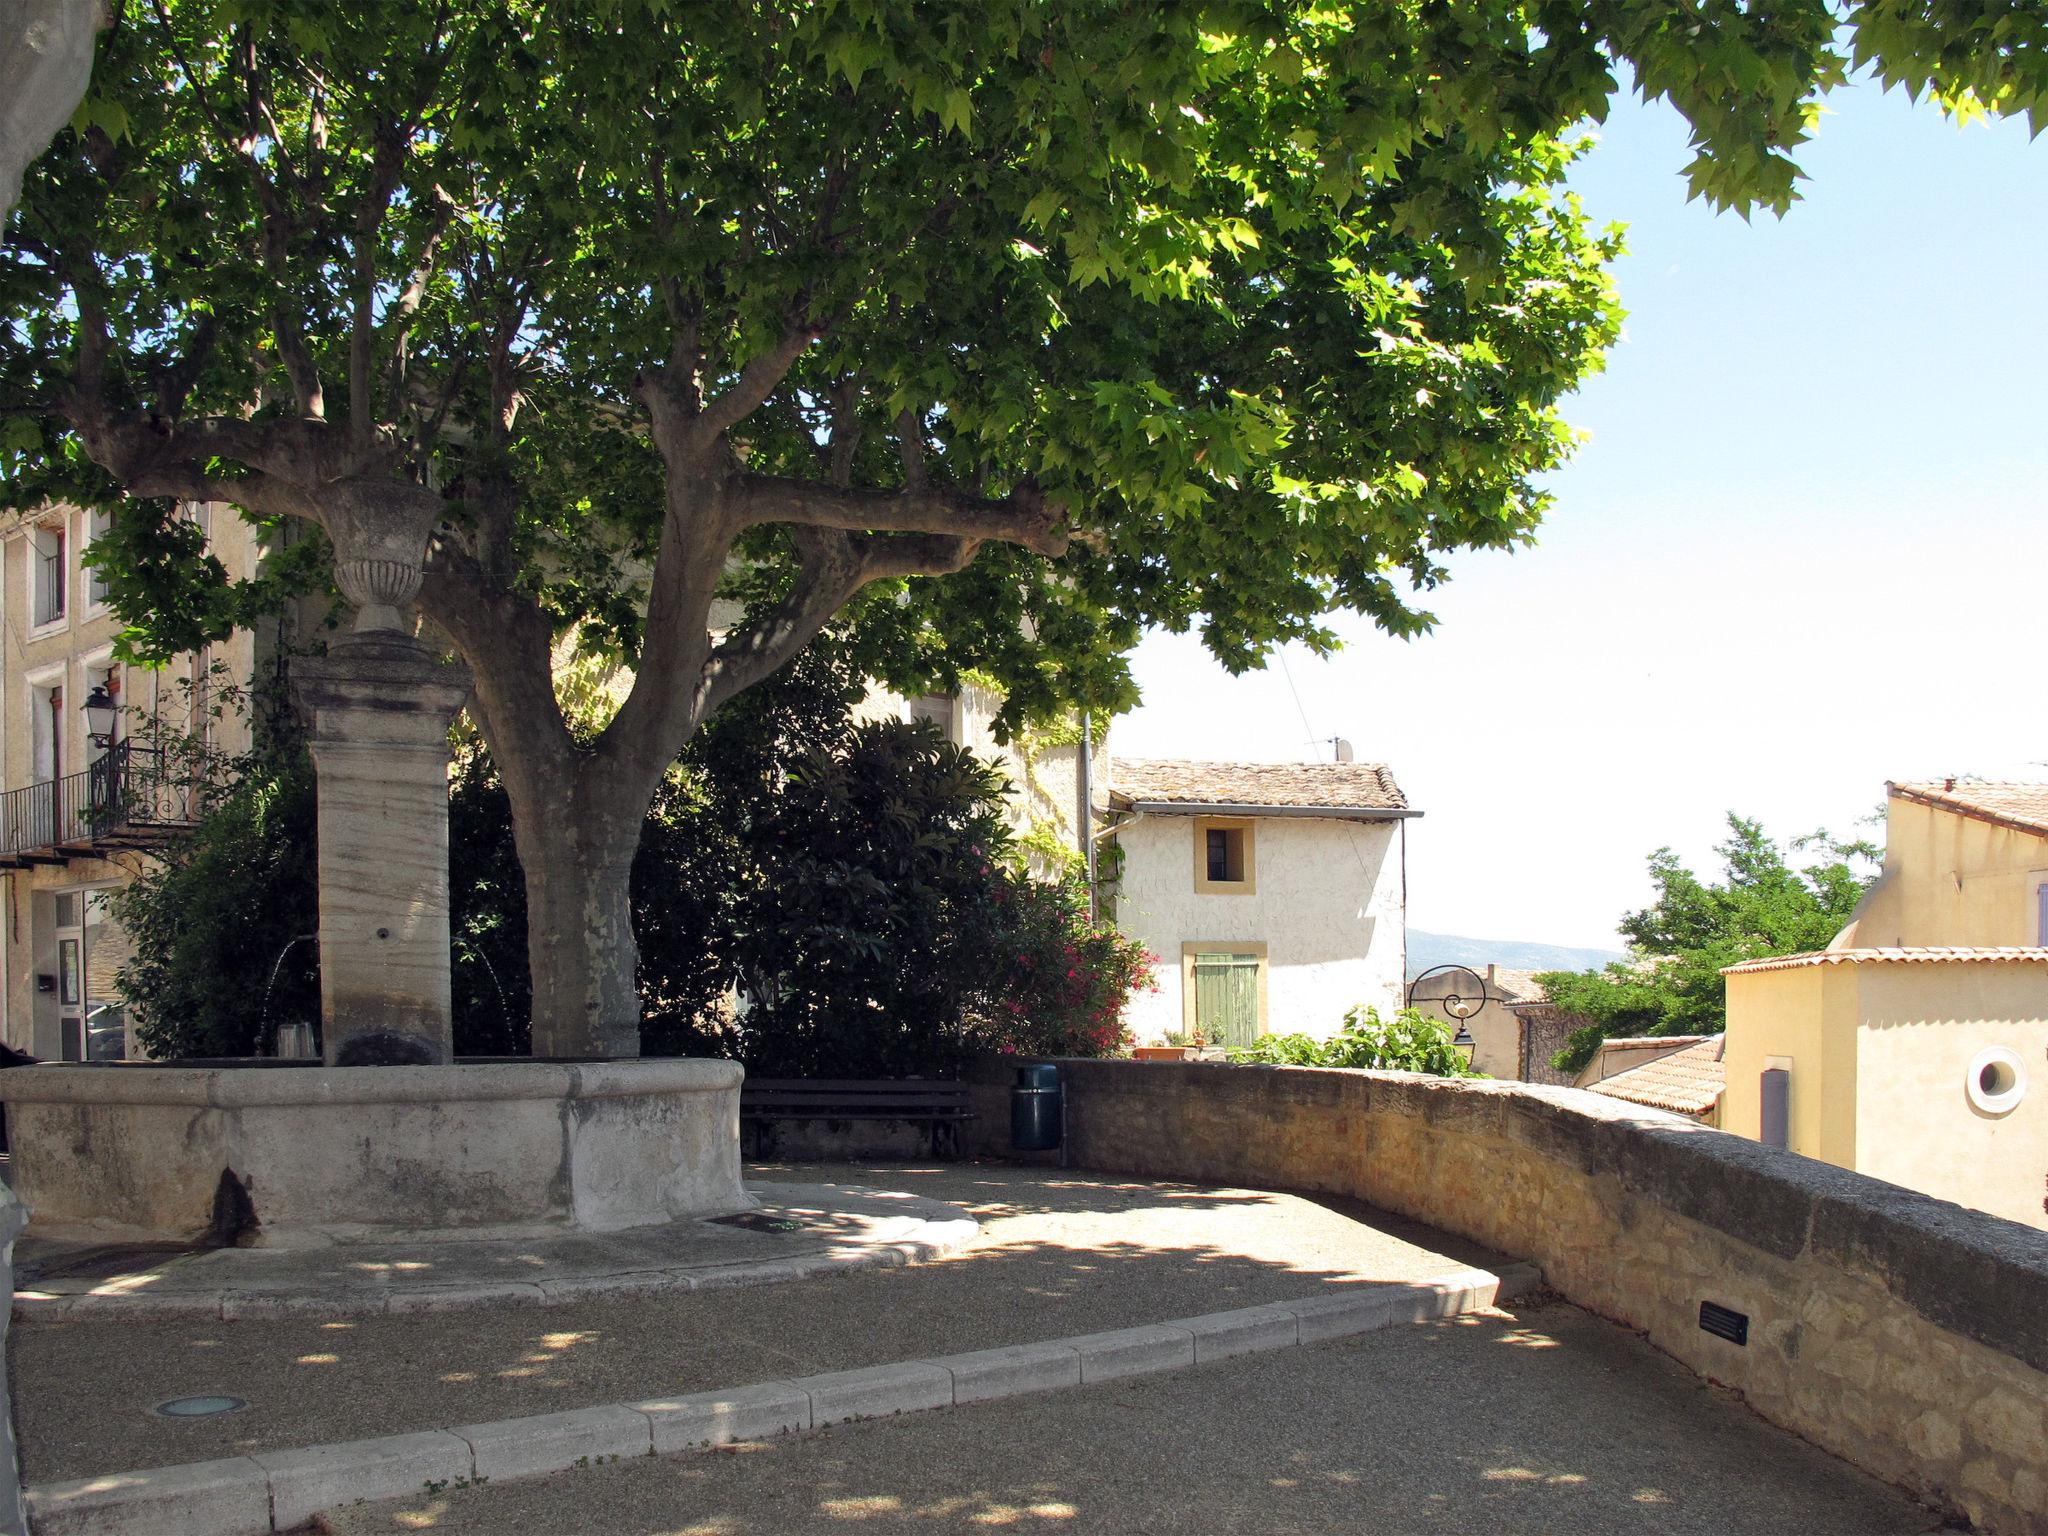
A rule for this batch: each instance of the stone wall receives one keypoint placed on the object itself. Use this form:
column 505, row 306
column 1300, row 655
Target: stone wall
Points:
column 1904, row 1334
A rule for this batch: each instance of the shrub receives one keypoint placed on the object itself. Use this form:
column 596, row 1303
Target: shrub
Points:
column 856, row 883
column 1063, row 980
column 213, row 920
column 1408, row 1042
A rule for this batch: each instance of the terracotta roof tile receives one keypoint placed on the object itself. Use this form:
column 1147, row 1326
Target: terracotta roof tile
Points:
column 1333, row 786
column 2023, row 806
column 1912, row 954
column 1687, row 1082
column 1518, row 986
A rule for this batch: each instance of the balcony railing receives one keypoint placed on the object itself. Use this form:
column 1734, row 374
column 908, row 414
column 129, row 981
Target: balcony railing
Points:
column 129, row 798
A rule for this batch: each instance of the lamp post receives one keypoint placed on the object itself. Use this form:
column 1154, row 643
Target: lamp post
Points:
column 1454, row 1004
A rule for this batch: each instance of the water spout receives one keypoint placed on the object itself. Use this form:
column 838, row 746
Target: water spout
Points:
column 504, row 1009
column 263, row 1032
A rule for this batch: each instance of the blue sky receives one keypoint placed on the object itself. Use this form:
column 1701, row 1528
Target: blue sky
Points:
column 1804, row 552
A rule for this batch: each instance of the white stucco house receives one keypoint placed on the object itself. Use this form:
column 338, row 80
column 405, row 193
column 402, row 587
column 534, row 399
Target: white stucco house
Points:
column 1274, row 894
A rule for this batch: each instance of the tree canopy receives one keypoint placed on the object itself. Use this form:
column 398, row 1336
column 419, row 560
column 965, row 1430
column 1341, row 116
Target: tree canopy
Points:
column 1672, row 982
column 998, row 330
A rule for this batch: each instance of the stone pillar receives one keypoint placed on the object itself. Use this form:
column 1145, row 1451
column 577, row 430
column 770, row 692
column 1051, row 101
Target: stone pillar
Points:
column 13, row 1513
column 377, row 708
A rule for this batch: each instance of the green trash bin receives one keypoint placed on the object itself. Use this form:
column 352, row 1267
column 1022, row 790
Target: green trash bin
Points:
column 1035, row 1103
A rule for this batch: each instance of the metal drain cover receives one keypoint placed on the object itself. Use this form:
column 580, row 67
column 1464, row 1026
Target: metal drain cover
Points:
column 759, row 1221
column 199, row 1407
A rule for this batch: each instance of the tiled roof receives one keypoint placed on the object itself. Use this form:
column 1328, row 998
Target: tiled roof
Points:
column 1331, row 786
column 1515, row 987
column 1912, row 954
column 1687, row 1082
column 2023, row 806
column 1623, row 1042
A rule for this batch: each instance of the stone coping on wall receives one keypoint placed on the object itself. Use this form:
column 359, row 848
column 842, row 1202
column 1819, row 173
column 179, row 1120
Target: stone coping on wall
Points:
column 233, row 1087
column 1905, row 1333
column 1973, row 1274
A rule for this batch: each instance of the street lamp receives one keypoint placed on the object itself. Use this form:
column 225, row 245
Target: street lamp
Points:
column 101, row 710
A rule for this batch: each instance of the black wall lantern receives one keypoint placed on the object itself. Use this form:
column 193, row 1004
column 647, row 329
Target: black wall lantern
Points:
column 101, row 711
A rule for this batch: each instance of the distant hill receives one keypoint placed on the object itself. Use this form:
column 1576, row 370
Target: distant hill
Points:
column 1431, row 949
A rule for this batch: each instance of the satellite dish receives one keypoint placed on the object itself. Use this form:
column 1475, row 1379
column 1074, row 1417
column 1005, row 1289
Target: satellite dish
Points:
column 1343, row 748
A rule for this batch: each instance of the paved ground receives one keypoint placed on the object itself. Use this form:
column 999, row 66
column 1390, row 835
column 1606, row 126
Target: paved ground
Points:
column 1544, row 1423
column 1060, row 1254
column 796, row 1224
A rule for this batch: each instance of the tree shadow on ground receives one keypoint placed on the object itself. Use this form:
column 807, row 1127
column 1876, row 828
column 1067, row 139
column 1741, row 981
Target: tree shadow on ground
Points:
column 1532, row 1425
column 1061, row 1255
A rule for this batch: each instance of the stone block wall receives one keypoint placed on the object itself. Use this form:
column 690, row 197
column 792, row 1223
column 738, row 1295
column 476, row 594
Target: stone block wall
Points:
column 1907, row 1335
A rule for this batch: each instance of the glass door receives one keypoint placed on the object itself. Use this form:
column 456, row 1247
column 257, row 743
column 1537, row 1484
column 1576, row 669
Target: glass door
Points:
column 105, row 950
column 92, row 1020
column 71, row 975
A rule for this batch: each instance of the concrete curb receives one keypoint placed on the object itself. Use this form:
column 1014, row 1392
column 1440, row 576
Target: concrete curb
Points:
column 229, row 1305
column 270, row 1491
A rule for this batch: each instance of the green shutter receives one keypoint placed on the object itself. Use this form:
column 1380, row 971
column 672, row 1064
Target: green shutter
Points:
column 1227, row 998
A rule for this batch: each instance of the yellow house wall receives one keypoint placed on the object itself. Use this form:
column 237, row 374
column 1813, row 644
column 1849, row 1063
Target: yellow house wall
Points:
column 1809, row 1015
column 1921, row 1027
column 65, row 652
column 1951, row 879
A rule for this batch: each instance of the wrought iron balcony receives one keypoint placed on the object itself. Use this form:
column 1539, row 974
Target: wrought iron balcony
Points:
column 131, row 798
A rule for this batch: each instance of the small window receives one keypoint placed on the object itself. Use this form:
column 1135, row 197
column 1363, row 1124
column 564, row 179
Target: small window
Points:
column 46, row 726
column 1223, row 857
column 1996, row 1081
column 939, row 709
column 47, row 572
column 98, row 525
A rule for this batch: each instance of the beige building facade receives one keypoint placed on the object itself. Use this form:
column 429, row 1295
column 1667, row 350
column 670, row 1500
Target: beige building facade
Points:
column 1273, row 894
column 1915, row 1047
column 82, row 796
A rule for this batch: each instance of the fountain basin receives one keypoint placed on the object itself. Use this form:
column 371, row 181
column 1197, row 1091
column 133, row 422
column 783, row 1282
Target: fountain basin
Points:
column 329, row 1153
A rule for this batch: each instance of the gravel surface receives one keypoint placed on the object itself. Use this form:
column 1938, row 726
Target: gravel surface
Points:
column 1061, row 1253
column 1543, row 1423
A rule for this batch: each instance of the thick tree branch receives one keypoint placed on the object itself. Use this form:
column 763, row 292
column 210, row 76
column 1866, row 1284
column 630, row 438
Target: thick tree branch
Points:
column 757, row 381
column 664, row 705
column 910, row 448
column 1023, row 517
column 398, row 317
column 508, row 643
column 846, row 432
column 386, row 164
column 835, row 566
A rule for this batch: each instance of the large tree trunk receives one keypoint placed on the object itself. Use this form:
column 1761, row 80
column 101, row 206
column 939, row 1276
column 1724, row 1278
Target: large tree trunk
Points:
column 579, row 933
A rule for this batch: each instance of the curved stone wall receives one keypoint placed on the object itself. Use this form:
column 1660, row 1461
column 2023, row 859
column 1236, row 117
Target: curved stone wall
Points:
column 1905, row 1334
column 336, row 1151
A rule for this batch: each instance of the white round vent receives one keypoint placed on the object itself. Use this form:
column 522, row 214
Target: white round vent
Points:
column 1997, row 1080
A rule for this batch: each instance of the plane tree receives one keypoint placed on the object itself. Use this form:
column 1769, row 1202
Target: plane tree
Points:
column 990, row 332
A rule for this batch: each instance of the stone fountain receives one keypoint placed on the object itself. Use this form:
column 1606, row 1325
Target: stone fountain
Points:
column 389, row 1134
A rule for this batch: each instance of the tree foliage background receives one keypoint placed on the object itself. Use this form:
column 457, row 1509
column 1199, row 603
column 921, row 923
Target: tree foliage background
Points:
column 1763, row 905
column 999, row 330
column 856, row 883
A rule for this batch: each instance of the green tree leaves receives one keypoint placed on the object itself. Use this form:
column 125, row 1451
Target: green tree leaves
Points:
column 1673, row 985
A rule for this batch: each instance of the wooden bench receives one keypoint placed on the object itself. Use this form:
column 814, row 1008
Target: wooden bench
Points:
column 944, row 1106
